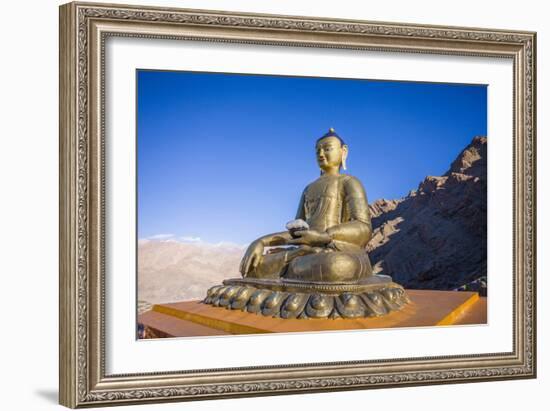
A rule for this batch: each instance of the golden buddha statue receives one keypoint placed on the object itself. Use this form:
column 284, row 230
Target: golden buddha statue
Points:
column 336, row 211
column 318, row 267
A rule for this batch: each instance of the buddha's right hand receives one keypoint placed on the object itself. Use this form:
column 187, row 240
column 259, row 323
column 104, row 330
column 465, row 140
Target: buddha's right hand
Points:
column 252, row 257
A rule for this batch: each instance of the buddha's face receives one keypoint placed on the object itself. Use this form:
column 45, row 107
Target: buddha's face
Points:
column 330, row 152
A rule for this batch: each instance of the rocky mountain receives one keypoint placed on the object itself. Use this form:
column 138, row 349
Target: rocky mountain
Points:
column 171, row 270
column 436, row 236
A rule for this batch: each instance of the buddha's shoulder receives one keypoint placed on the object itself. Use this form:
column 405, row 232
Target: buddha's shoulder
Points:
column 352, row 185
column 349, row 179
column 341, row 179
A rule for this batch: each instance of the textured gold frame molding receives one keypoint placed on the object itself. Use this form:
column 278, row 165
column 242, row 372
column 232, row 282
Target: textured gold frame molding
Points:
column 83, row 30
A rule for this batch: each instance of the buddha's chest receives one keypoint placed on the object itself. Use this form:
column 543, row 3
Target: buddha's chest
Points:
column 324, row 187
column 323, row 202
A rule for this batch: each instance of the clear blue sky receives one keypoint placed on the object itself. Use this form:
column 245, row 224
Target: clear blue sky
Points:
column 225, row 157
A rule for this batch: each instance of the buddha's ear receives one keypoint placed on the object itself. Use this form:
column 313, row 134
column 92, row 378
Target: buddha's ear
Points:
column 344, row 156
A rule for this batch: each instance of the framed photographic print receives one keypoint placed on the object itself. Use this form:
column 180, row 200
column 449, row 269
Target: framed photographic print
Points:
column 260, row 204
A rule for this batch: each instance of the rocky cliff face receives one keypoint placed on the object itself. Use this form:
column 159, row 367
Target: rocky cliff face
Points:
column 436, row 237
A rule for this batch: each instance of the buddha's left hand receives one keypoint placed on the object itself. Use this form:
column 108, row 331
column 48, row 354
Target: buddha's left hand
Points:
column 310, row 237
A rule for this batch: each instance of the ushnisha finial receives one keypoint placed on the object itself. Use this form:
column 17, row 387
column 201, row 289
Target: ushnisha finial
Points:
column 332, row 133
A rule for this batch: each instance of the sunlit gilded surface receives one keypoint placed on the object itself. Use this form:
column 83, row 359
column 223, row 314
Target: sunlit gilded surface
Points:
column 319, row 267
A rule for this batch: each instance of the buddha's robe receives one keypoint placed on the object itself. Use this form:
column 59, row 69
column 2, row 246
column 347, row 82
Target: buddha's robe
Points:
column 336, row 205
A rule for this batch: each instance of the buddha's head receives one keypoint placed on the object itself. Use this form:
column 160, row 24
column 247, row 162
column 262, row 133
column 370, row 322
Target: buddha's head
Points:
column 331, row 152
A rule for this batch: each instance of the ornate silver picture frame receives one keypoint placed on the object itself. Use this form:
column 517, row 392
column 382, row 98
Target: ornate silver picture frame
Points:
column 84, row 30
